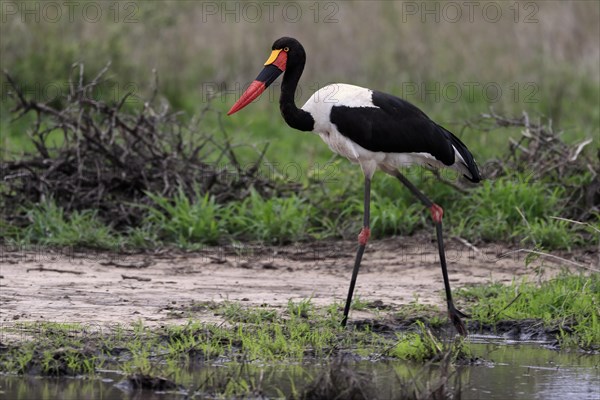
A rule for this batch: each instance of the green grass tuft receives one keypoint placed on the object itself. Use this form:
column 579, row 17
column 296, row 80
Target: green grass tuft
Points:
column 183, row 221
column 50, row 226
column 515, row 209
column 273, row 220
column 568, row 302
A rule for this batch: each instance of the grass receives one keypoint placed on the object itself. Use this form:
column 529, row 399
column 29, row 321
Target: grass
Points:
column 328, row 202
column 511, row 209
column 171, row 357
column 275, row 220
column 421, row 346
column 50, row 226
column 182, row 221
column 568, row 303
column 267, row 335
column 518, row 210
column 252, row 334
column 59, row 349
column 302, row 309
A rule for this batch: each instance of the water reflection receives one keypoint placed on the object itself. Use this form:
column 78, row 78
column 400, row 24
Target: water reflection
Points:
column 520, row 371
column 527, row 371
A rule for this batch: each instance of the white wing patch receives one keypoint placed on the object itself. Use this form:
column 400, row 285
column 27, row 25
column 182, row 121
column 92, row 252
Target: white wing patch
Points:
column 340, row 94
column 319, row 105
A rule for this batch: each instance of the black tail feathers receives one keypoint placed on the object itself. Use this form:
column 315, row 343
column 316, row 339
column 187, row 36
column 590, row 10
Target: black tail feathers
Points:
column 467, row 156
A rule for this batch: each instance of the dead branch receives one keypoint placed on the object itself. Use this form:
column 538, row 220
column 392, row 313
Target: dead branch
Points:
column 61, row 271
column 137, row 278
column 144, row 264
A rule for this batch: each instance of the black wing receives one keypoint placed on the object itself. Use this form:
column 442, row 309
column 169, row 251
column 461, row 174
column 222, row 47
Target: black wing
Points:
column 396, row 126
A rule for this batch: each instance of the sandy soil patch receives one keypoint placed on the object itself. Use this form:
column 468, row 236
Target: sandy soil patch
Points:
column 102, row 288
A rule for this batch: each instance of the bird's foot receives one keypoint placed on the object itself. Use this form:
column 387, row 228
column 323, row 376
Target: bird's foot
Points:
column 437, row 213
column 455, row 316
column 363, row 236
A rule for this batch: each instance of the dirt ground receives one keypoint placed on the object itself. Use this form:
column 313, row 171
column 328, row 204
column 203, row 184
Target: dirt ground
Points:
column 102, row 288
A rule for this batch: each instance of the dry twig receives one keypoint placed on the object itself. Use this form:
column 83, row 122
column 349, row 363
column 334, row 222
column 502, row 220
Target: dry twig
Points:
column 136, row 278
column 61, row 271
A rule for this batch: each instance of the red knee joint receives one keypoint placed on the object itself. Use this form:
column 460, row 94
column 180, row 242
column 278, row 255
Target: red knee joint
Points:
column 363, row 236
column 437, row 213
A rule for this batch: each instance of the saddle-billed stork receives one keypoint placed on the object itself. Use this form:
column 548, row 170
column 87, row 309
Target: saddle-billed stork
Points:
column 372, row 129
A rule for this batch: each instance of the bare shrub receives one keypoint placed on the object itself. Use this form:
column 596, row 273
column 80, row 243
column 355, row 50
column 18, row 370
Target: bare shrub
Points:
column 540, row 153
column 110, row 156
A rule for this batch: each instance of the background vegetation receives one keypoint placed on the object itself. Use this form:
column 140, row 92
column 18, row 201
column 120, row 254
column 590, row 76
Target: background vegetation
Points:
column 542, row 58
column 535, row 63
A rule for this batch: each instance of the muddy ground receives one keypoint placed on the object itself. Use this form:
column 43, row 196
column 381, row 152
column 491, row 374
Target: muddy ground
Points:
column 161, row 288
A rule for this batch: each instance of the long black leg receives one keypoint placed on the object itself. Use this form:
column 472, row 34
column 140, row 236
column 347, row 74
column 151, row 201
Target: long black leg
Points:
column 437, row 212
column 363, row 237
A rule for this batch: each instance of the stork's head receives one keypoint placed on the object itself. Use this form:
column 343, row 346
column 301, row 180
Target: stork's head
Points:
column 285, row 51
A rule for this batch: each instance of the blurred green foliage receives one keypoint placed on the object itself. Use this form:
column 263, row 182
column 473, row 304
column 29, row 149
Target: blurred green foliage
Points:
column 548, row 65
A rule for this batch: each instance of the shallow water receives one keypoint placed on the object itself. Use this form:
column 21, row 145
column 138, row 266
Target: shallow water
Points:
column 510, row 371
column 531, row 371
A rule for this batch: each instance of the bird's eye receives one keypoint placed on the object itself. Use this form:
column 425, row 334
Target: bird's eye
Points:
column 286, row 49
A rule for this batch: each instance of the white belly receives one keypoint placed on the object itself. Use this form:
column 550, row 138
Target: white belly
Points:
column 341, row 145
column 371, row 160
